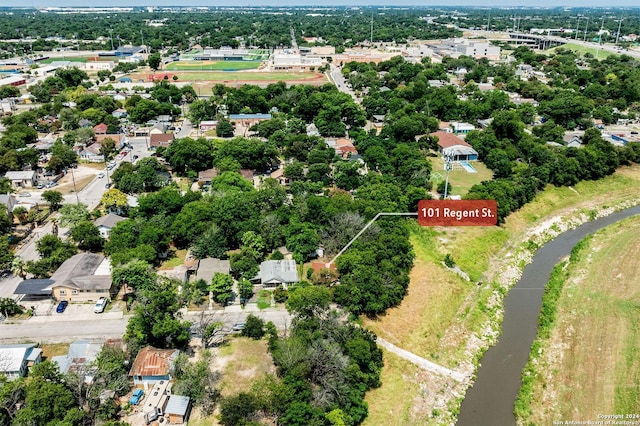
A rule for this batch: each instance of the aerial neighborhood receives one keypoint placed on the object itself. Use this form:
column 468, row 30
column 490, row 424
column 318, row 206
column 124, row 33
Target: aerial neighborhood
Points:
column 232, row 216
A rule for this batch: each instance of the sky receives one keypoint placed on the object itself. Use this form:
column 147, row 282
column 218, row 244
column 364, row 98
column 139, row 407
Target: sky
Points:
column 484, row 3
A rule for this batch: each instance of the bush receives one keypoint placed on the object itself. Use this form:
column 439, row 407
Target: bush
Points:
column 280, row 295
column 254, row 327
column 448, row 260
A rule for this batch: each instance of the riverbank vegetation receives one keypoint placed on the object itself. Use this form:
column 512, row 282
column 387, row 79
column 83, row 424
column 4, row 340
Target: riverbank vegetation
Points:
column 585, row 359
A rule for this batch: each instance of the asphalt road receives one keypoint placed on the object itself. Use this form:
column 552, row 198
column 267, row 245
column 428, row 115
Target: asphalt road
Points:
column 88, row 325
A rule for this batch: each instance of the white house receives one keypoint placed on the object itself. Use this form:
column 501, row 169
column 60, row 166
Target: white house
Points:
column 22, row 178
column 106, row 223
column 15, row 360
column 277, row 272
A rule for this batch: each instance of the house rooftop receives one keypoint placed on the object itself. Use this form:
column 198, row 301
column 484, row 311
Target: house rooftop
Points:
column 209, row 266
column 109, row 221
column 19, row 174
column 153, row 362
column 177, row 405
column 278, row 271
column 447, row 140
column 79, row 272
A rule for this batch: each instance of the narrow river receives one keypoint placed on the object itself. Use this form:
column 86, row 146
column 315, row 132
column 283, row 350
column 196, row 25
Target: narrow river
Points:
column 490, row 401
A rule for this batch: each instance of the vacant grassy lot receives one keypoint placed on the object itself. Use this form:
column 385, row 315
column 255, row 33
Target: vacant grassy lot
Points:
column 242, row 362
column 443, row 314
column 212, row 65
column 54, row 349
column 591, row 362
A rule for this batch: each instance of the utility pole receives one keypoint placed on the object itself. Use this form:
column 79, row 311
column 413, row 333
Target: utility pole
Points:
column 364, row 229
column 618, row 33
column 448, row 158
column 111, row 37
column 371, row 39
column 585, row 30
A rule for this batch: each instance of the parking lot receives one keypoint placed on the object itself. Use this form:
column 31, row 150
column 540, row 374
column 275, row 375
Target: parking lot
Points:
column 45, row 311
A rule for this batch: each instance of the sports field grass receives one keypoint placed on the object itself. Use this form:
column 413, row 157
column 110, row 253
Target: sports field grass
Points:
column 212, row 65
column 590, row 364
column 70, row 59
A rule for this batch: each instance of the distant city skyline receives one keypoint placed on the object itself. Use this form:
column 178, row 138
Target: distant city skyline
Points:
column 307, row 3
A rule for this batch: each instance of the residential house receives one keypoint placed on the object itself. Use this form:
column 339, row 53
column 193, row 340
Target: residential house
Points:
column 274, row 273
column 106, row 223
column 345, row 148
column 152, row 365
column 573, row 139
column 118, row 138
column 205, row 176
column 92, row 153
column 208, row 125
column 16, row 360
column 120, row 96
column 158, row 128
column 84, row 277
column 7, row 106
column 9, row 201
column 22, row 178
column 461, row 128
column 119, row 113
column 454, row 147
column 160, row 139
column 141, row 131
column 79, row 358
column 247, row 174
column 279, row 176
column 209, row 266
column 178, row 409
column 100, row 129
column 164, row 119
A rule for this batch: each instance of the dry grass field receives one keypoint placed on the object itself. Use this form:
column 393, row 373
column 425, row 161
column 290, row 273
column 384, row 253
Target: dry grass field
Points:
column 242, row 361
column 591, row 362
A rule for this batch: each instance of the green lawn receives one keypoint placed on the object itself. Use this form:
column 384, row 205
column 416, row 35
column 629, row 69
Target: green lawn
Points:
column 581, row 50
column 460, row 180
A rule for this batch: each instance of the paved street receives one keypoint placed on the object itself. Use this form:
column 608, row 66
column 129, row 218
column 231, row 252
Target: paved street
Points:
column 80, row 322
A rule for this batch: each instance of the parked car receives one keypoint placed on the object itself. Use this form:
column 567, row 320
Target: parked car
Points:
column 24, row 194
column 135, row 157
column 136, row 397
column 100, row 175
column 62, row 306
column 239, row 326
column 40, row 185
column 100, row 305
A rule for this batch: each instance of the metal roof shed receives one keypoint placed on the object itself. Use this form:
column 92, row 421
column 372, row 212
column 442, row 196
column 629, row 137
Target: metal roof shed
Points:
column 178, row 409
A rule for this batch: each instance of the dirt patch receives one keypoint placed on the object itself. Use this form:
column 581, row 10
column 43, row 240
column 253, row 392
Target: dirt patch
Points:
column 82, row 175
column 242, row 361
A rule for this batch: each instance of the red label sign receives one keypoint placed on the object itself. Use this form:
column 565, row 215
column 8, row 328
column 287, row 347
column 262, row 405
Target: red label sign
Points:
column 457, row 212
